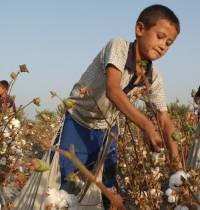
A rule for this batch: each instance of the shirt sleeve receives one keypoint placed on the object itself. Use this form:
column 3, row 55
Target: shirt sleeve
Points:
column 115, row 53
column 157, row 95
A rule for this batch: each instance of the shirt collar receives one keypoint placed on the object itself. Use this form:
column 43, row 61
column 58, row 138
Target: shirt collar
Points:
column 131, row 63
column 131, row 58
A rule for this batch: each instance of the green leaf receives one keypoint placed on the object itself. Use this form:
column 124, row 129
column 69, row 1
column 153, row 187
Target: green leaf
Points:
column 177, row 136
column 71, row 177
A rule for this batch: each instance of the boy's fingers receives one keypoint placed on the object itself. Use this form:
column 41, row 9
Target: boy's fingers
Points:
column 160, row 143
column 156, row 148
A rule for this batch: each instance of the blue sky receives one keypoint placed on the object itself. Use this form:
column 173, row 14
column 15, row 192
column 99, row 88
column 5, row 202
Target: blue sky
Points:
column 58, row 40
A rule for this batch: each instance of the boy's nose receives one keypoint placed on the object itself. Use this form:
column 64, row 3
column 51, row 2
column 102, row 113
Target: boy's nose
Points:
column 162, row 46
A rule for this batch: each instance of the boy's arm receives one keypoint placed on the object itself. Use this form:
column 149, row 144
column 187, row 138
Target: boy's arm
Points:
column 168, row 129
column 115, row 93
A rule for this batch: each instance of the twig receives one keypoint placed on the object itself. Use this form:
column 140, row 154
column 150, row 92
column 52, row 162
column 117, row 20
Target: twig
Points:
column 116, row 200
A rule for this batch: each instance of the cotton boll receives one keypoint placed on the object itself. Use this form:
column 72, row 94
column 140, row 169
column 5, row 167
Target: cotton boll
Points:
column 23, row 142
column 144, row 153
column 155, row 171
column 6, row 134
column 168, row 192
column 21, row 169
column 11, row 158
column 10, row 127
column 18, row 151
column 155, row 192
column 15, row 122
column 178, row 207
column 3, row 161
column 155, row 158
column 52, row 125
column 13, row 147
column 143, row 194
column 171, row 199
column 184, row 208
column 3, row 151
column 152, row 191
column 162, row 150
column 9, row 141
column 3, row 148
column 175, row 180
column 158, row 158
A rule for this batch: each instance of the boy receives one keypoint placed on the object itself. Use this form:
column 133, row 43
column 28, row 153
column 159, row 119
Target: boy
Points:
column 193, row 159
column 197, row 101
column 6, row 102
column 114, row 72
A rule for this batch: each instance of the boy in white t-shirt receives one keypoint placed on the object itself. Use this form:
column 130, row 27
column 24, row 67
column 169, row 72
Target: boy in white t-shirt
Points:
column 115, row 72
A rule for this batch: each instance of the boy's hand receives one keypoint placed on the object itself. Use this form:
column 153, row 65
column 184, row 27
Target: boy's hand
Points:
column 175, row 163
column 155, row 140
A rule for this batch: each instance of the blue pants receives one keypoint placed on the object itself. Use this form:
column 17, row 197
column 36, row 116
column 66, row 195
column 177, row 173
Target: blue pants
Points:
column 87, row 144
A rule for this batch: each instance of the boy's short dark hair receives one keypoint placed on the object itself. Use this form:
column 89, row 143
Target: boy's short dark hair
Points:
column 198, row 93
column 150, row 15
column 5, row 84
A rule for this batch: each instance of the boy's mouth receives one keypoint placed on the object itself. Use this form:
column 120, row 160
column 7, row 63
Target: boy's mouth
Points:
column 158, row 52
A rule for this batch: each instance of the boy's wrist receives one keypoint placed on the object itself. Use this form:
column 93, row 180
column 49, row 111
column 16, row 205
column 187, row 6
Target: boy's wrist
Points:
column 148, row 126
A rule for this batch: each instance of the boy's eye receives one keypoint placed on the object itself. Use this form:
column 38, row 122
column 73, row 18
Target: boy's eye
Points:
column 169, row 42
column 161, row 35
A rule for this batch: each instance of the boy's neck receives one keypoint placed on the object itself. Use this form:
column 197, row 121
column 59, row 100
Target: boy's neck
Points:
column 138, row 56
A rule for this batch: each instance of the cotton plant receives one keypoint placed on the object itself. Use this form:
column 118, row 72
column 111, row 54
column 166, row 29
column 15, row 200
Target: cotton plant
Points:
column 144, row 175
column 11, row 148
column 8, row 133
column 17, row 138
column 10, row 125
column 158, row 158
column 142, row 172
column 183, row 190
column 156, row 173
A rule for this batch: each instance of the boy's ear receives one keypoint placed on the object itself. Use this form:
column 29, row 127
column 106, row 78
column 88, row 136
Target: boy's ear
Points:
column 139, row 29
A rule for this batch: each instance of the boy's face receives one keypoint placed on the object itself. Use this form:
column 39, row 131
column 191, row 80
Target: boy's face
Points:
column 2, row 90
column 153, row 43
